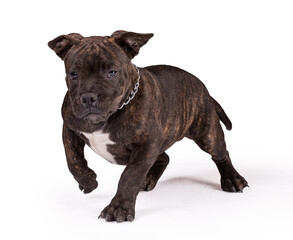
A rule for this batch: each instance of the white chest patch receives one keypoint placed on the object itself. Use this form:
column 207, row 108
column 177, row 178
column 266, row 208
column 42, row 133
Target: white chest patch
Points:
column 98, row 142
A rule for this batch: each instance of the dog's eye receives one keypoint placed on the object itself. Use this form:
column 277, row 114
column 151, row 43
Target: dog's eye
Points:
column 112, row 73
column 73, row 76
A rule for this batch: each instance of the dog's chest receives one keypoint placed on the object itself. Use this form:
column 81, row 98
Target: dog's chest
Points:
column 99, row 142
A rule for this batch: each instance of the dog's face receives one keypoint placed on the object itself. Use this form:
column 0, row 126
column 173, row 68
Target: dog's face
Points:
column 99, row 73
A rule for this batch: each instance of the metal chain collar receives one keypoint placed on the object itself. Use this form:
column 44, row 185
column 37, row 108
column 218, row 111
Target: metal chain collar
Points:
column 134, row 91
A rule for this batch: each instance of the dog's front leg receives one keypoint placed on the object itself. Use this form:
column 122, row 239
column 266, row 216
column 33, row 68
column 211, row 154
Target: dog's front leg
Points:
column 122, row 206
column 74, row 150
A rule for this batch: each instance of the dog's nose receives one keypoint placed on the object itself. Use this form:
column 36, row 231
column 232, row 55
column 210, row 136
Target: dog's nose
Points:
column 88, row 99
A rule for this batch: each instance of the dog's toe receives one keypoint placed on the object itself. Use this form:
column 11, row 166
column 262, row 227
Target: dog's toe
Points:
column 117, row 213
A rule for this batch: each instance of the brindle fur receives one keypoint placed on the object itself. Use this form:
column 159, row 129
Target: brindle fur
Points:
column 170, row 104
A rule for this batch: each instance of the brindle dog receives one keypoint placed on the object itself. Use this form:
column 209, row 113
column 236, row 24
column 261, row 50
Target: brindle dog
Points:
column 131, row 116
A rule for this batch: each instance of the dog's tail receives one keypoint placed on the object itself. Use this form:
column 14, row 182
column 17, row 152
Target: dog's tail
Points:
column 222, row 115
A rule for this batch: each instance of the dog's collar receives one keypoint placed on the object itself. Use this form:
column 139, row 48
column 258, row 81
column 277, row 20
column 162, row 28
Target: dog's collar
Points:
column 133, row 91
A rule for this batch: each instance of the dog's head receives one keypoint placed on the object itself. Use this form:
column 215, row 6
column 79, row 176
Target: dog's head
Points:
column 99, row 72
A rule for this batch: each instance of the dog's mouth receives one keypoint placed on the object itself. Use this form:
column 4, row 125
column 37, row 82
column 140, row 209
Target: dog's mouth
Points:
column 94, row 115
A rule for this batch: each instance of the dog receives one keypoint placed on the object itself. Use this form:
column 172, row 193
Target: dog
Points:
column 131, row 116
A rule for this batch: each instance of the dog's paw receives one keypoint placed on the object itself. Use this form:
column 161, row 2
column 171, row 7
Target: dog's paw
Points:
column 235, row 183
column 88, row 187
column 118, row 213
column 88, row 183
column 149, row 184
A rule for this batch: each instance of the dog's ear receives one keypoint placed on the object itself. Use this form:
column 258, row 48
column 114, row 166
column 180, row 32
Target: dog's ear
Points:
column 130, row 42
column 60, row 45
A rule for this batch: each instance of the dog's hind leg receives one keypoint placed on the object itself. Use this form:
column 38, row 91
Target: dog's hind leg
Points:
column 155, row 172
column 207, row 133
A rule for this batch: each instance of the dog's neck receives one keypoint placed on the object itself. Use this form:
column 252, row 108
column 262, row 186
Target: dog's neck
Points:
column 133, row 91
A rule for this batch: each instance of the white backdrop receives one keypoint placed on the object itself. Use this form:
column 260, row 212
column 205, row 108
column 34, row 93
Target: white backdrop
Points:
column 241, row 50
